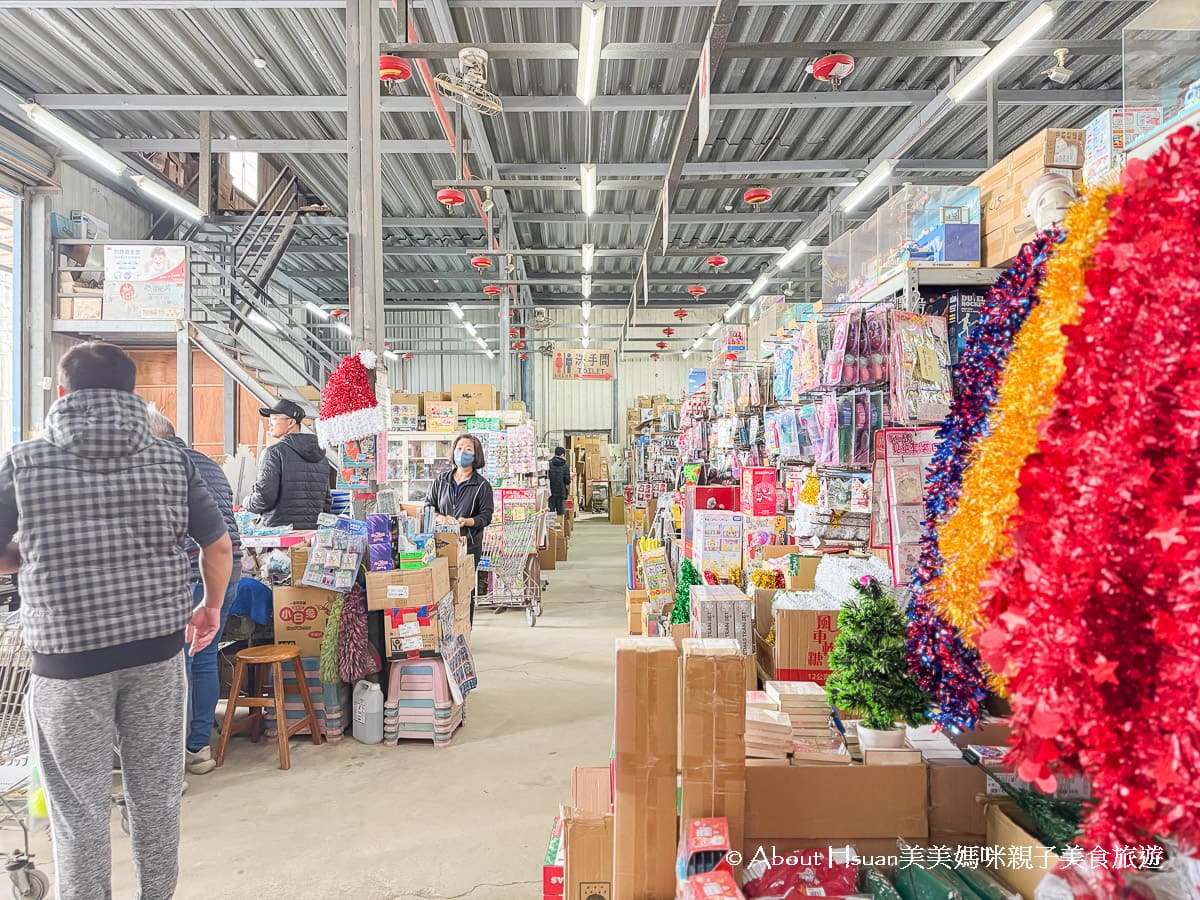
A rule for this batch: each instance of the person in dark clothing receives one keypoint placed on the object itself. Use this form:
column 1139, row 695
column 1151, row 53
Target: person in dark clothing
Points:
column 103, row 510
column 463, row 496
column 560, row 478
column 204, row 686
column 293, row 473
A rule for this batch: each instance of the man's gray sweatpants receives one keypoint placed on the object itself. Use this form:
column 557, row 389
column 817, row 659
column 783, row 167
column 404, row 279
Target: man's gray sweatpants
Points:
column 74, row 725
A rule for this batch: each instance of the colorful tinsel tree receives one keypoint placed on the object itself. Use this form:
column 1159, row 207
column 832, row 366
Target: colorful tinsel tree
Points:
column 688, row 577
column 1100, row 636
column 869, row 673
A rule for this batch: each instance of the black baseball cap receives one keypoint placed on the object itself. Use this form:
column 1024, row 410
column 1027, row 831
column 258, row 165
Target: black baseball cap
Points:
column 283, row 408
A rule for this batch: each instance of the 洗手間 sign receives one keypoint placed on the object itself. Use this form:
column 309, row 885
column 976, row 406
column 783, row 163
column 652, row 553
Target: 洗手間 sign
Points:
column 591, row 364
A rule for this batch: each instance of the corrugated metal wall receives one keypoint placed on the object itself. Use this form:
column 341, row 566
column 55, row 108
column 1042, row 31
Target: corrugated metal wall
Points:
column 441, row 354
column 126, row 220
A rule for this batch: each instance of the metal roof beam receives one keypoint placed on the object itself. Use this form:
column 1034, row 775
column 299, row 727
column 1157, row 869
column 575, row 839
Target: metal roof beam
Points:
column 280, row 103
column 571, row 252
column 536, row 278
column 387, row 4
column 535, row 218
column 686, row 184
column 261, row 145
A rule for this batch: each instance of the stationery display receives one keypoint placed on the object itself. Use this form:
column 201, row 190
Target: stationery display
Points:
column 338, row 548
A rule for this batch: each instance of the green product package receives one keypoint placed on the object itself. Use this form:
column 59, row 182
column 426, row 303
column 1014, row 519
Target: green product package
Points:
column 877, row 884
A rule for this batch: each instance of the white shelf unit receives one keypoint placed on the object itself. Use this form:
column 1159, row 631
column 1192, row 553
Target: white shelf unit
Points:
column 414, row 459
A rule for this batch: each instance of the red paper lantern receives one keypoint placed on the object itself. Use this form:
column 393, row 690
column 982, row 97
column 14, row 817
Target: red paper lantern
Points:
column 661, row 345
column 492, row 290
column 451, row 198
column 519, row 345
column 655, row 357
column 756, row 195
column 394, row 68
column 717, row 261
column 697, row 291
column 482, row 262
column 832, row 68
column 668, row 331
column 408, row 356
column 680, row 314
column 340, row 313
column 514, row 332
column 524, row 356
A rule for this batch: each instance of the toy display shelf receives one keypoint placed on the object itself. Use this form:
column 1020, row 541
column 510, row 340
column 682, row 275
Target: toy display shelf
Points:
column 907, row 283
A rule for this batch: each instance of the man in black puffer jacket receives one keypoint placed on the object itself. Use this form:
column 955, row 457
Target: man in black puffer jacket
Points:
column 293, row 473
column 560, row 477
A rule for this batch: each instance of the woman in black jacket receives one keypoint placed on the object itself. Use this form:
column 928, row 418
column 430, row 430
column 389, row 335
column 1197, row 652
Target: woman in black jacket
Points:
column 463, row 496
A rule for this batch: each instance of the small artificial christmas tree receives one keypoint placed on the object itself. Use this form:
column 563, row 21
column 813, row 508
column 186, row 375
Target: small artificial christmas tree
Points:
column 688, row 576
column 869, row 672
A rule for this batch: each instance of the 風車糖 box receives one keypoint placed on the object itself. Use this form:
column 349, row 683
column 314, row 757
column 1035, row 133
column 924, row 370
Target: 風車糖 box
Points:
column 408, row 587
column 300, row 615
column 645, row 815
column 803, row 641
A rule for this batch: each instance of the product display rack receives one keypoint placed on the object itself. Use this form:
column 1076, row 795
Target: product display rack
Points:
column 414, row 460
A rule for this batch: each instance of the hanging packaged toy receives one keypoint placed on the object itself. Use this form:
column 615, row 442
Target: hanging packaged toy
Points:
column 835, row 359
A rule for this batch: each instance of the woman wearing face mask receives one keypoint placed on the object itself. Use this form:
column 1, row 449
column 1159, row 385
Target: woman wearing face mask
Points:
column 463, row 496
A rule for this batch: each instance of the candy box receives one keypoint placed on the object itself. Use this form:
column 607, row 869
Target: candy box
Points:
column 703, row 847
column 711, row 886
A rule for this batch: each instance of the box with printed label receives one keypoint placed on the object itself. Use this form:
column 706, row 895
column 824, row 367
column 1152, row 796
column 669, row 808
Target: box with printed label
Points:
column 441, row 416
column 803, row 641
column 472, row 398
column 411, row 631
column 588, row 848
column 300, row 615
column 408, row 587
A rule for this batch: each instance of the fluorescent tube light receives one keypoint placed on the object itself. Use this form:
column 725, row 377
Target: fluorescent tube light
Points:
column 343, row 328
column 470, row 328
column 1001, row 53
column 168, row 198
column 759, row 286
column 388, row 354
column 491, row 354
column 585, row 285
column 700, row 341
column 792, row 254
column 586, row 341
column 869, row 185
column 585, row 329
column 587, row 184
column 687, row 352
column 263, row 322
column 481, row 342
column 588, row 252
column 591, row 39
column 712, row 329
column 586, row 306
column 733, row 310
column 65, row 134
column 457, row 310
column 316, row 310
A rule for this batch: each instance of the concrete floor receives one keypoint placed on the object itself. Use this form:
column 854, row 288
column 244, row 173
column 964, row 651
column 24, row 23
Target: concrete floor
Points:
column 412, row 822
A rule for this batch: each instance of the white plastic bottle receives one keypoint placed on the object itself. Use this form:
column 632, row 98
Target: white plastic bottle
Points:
column 368, row 712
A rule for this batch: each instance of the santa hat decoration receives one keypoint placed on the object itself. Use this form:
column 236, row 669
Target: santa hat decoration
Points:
column 349, row 409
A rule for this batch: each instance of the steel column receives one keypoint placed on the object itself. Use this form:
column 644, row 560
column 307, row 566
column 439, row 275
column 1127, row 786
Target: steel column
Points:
column 229, row 413
column 36, row 245
column 183, row 386
column 206, row 168
column 365, row 219
column 991, row 107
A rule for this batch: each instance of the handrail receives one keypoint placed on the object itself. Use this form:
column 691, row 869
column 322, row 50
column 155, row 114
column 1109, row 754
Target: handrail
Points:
column 166, row 212
column 259, row 207
column 277, row 226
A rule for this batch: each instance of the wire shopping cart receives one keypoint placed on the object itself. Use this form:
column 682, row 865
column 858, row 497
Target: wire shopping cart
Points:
column 510, row 558
column 28, row 882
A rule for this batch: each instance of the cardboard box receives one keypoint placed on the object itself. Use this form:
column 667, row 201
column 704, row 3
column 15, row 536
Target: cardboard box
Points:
column 472, row 398
column 408, row 587
column 1006, row 828
column 560, row 547
column 412, row 630
column 1107, row 136
column 588, row 848
column 300, row 615
column 399, row 399
column 431, row 397
column 806, row 579
column 616, row 511
column 441, row 416
column 645, row 815
column 591, row 789
column 714, row 733
column 89, row 308
column 839, row 803
column 450, row 547
column 548, row 555
column 634, row 598
column 956, row 814
column 554, row 864
column 764, row 616
column 803, row 641
column 722, row 611
column 1053, row 148
column 635, row 619
column 464, row 579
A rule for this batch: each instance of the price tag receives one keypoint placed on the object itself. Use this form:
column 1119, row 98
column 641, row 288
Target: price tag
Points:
column 397, row 591
column 409, row 629
column 927, row 364
column 409, row 644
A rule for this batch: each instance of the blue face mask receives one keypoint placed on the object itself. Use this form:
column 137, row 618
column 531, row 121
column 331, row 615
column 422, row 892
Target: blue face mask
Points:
column 463, row 458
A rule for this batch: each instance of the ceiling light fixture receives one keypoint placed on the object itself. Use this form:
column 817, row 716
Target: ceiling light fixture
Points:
column 591, row 40
column 792, row 254
column 712, row 329
column 259, row 62
column 588, row 252
column 168, row 198
column 457, row 310
column 586, row 306
column 481, row 342
column 699, row 342
column 687, row 352
column 316, row 310
column 586, row 341
column 733, row 310
column 585, row 329
column 869, row 185
column 470, row 328
column 388, row 354
column 1001, row 53
column 343, row 328
column 263, row 322
column 759, row 286
column 587, row 184
column 585, row 285
column 65, row 134
column 491, row 354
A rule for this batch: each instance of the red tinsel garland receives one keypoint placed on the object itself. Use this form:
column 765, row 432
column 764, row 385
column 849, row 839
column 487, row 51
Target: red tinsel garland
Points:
column 1100, row 640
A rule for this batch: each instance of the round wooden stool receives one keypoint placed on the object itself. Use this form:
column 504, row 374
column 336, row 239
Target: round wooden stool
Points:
column 273, row 655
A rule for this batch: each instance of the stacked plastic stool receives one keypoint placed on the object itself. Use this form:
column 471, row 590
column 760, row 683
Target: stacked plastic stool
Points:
column 419, row 703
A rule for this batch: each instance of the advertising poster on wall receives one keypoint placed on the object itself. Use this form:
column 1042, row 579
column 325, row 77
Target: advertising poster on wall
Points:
column 144, row 281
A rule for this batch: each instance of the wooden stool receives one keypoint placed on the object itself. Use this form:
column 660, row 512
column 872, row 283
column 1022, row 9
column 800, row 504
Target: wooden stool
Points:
column 273, row 655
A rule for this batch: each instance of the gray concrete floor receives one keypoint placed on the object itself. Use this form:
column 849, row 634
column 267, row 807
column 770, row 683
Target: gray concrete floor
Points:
column 413, row 822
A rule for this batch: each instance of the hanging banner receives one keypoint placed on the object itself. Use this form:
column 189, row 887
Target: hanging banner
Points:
column 591, row 365
column 145, row 281
column 705, row 89
column 666, row 208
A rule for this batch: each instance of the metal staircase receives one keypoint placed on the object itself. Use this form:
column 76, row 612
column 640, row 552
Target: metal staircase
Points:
column 265, row 344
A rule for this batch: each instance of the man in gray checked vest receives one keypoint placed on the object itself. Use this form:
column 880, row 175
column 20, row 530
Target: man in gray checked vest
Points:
column 102, row 509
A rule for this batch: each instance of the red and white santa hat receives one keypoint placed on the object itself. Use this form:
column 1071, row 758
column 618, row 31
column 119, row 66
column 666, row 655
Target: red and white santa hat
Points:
column 349, row 408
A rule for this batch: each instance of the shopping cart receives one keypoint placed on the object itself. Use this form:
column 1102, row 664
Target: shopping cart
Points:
column 509, row 557
column 28, row 882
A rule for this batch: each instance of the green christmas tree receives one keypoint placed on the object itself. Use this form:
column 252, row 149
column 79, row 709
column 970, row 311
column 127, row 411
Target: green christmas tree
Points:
column 682, row 613
column 869, row 673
